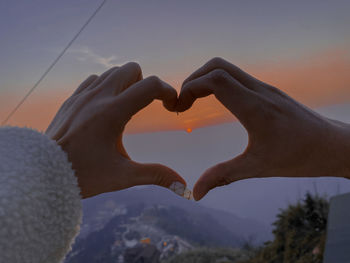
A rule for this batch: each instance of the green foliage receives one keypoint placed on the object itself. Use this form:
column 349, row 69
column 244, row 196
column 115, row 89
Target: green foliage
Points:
column 299, row 237
column 299, row 232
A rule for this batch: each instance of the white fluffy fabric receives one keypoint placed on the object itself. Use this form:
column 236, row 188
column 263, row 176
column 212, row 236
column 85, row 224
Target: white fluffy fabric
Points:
column 40, row 203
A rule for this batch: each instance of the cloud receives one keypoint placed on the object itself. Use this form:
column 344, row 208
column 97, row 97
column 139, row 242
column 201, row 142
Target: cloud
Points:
column 86, row 54
column 318, row 80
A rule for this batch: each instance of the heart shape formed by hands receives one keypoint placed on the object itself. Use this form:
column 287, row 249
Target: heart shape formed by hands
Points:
column 285, row 138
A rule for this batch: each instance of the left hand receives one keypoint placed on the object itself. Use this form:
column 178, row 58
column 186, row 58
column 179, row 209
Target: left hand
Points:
column 89, row 127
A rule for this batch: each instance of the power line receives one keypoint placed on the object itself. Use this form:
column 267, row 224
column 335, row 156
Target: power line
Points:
column 53, row 63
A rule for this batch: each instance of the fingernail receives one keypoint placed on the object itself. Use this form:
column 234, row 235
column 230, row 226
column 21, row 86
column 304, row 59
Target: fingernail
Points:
column 180, row 189
column 188, row 194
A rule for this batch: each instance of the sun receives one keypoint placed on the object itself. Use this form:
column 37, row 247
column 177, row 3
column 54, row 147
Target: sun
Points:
column 189, row 130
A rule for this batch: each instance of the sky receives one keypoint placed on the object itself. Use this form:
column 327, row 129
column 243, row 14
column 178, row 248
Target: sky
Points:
column 300, row 47
column 260, row 198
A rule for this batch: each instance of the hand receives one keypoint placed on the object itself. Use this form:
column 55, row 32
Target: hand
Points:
column 286, row 139
column 89, row 127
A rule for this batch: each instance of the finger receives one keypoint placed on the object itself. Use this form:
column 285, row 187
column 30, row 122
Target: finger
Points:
column 232, row 94
column 223, row 174
column 142, row 93
column 156, row 174
column 237, row 73
column 120, row 79
column 101, row 78
column 86, row 83
column 121, row 148
column 210, row 83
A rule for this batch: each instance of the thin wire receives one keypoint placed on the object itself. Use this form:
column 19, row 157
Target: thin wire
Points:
column 53, row 63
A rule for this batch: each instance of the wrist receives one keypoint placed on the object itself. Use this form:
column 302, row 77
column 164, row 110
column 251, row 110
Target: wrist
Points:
column 340, row 150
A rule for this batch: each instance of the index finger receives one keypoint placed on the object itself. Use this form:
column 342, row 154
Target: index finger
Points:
column 120, row 79
column 232, row 94
column 144, row 92
column 219, row 63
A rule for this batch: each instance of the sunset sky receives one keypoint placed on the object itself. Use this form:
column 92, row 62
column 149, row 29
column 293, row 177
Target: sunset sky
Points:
column 301, row 47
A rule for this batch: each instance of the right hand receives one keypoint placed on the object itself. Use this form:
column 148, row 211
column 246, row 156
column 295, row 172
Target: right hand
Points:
column 286, row 139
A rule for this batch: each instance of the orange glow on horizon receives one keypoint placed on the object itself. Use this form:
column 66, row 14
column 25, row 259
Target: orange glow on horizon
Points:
column 317, row 80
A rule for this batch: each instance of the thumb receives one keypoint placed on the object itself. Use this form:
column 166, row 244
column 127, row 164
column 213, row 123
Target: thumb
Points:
column 158, row 174
column 222, row 174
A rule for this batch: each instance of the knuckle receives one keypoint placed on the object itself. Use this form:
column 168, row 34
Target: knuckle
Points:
column 66, row 103
column 219, row 76
column 155, row 85
column 154, row 80
column 70, row 101
column 135, row 67
column 113, row 69
column 275, row 91
column 274, row 106
column 269, row 111
column 108, row 72
column 272, row 89
column 93, row 76
column 217, row 61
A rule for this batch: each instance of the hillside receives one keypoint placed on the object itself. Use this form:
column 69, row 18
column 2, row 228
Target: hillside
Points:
column 98, row 210
column 116, row 223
